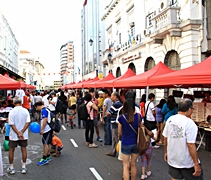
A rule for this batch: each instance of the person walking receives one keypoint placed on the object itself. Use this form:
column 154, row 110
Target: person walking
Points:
column 159, row 118
column 128, row 122
column 46, row 133
column 106, row 120
column 179, row 144
column 72, row 103
column 95, row 100
column 63, row 113
column 142, row 105
column 113, row 114
column 19, row 120
column 89, row 133
column 79, row 101
column 169, row 108
column 52, row 99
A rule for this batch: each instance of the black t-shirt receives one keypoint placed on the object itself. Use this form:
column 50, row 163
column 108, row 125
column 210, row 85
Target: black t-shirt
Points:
column 63, row 99
column 79, row 101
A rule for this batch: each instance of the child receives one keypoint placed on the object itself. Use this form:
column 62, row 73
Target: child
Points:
column 6, row 128
column 57, row 145
column 146, row 161
column 70, row 117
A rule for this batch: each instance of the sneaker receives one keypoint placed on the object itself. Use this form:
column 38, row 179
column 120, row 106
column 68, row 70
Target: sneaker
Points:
column 156, row 146
column 10, row 171
column 48, row 159
column 23, row 170
column 42, row 162
column 143, row 176
column 149, row 173
column 99, row 139
column 93, row 145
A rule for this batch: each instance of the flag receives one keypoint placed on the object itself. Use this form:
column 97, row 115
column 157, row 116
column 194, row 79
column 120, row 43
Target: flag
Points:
column 130, row 38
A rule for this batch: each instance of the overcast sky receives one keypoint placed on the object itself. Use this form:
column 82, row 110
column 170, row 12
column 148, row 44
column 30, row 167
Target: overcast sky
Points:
column 42, row 26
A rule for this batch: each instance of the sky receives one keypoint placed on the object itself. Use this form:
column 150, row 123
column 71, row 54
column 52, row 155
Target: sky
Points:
column 42, row 26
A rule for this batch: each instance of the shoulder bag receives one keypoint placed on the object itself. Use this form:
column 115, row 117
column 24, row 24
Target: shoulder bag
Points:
column 143, row 139
column 150, row 125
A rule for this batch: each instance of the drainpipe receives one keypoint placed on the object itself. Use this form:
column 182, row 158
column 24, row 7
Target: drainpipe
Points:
column 199, row 47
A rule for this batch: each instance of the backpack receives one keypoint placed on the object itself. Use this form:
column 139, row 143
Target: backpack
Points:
column 55, row 124
column 83, row 112
column 59, row 106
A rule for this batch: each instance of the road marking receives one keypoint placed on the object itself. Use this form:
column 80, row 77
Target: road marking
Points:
column 74, row 143
column 64, row 128
column 98, row 177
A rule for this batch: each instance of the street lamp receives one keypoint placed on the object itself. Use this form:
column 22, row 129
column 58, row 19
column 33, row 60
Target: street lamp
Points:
column 109, row 57
column 90, row 42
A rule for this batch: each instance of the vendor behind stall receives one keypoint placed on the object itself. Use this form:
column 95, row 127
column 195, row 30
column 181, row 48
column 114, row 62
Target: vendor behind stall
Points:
column 207, row 98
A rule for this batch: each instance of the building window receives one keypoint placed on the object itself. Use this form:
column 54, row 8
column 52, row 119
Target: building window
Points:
column 173, row 2
column 120, row 38
column 149, row 20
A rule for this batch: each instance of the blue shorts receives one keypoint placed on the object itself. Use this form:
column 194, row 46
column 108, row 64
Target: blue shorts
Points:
column 129, row 149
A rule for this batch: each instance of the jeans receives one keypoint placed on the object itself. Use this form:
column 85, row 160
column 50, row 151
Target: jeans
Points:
column 107, row 131
column 114, row 139
column 79, row 122
column 89, row 127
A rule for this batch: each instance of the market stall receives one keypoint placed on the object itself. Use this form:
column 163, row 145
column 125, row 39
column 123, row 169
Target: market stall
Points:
column 86, row 85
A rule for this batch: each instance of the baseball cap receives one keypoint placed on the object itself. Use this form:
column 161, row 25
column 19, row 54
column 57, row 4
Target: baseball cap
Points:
column 100, row 92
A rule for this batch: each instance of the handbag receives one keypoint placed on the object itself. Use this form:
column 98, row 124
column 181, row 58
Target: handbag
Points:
column 150, row 125
column 143, row 139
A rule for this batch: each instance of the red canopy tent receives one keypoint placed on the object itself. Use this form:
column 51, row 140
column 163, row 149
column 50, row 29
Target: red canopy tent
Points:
column 84, row 82
column 141, row 80
column 77, row 85
column 8, row 83
column 69, row 86
column 86, row 85
column 195, row 76
column 110, row 76
column 110, row 83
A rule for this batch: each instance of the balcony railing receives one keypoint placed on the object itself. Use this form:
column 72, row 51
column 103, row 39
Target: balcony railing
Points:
column 165, row 18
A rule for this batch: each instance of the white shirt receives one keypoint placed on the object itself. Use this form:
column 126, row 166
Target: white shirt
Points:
column 66, row 94
column 51, row 106
column 18, row 117
column 149, row 115
column 179, row 130
column 20, row 93
column 37, row 98
column 45, row 100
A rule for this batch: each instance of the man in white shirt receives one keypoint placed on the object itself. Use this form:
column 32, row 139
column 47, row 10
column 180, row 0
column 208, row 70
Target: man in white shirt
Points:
column 19, row 120
column 52, row 103
column 179, row 144
column 45, row 99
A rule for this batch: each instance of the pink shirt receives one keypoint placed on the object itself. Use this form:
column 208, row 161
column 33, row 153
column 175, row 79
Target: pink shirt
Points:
column 89, row 105
column 96, row 103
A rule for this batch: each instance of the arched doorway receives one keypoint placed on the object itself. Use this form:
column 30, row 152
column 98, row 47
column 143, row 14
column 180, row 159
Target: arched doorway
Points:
column 132, row 67
column 149, row 64
column 172, row 60
column 118, row 72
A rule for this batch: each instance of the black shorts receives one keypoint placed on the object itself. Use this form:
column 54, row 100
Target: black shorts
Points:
column 47, row 137
column 184, row 173
column 21, row 143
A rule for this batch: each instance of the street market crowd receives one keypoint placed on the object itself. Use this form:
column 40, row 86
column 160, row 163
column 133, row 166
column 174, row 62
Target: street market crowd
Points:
column 168, row 123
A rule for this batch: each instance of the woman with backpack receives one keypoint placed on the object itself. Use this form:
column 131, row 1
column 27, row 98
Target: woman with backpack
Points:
column 159, row 119
column 89, row 133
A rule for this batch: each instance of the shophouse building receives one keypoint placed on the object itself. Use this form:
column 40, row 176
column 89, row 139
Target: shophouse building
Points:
column 143, row 33
column 9, row 48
